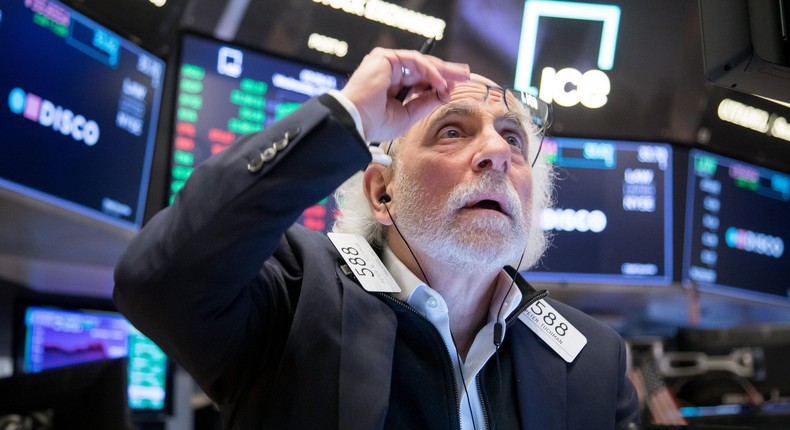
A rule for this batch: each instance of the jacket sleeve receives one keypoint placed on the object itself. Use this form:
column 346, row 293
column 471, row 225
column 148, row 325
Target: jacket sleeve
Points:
column 194, row 278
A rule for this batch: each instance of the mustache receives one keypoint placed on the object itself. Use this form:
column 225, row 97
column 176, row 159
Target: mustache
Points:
column 489, row 183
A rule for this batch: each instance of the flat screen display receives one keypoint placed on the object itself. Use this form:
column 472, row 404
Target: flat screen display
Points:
column 225, row 91
column 616, row 69
column 56, row 337
column 737, row 227
column 612, row 221
column 79, row 111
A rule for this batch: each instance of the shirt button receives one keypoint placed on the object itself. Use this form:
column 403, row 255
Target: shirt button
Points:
column 432, row 302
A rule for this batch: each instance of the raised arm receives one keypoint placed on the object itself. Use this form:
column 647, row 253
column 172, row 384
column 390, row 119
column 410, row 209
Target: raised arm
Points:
column 194, row 279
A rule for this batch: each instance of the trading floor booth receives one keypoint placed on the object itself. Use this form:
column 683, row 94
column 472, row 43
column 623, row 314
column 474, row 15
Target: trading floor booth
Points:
column 670, row 143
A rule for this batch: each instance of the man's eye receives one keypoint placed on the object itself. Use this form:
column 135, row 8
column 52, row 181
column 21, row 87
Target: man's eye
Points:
column 451, row 133
column 514, row 140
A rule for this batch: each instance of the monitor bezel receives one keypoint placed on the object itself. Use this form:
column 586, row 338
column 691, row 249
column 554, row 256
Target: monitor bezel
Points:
column 741, row 293
column 24, row 192
column 32, row 299
column 173, row 94
column 665, row 280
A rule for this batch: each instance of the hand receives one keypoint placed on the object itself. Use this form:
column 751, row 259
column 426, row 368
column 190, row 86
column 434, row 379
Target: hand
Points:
column 373, row 88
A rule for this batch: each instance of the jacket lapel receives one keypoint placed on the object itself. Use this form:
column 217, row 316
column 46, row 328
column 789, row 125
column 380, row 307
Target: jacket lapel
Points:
column 541, row 381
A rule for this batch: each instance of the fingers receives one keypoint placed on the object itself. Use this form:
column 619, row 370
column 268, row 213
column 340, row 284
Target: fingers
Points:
column 375, row 86
column 412, row 69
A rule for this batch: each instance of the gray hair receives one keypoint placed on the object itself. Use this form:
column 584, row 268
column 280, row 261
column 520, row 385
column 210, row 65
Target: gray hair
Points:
column 355, row 216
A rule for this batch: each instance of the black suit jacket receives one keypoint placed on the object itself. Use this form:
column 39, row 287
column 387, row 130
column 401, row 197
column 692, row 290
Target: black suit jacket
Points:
column 263, row 318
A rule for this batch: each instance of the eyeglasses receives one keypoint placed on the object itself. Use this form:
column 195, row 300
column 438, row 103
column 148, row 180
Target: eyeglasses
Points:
column 536, row 110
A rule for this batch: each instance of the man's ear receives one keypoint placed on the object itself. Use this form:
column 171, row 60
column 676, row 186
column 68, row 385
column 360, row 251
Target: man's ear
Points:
column 376, row 191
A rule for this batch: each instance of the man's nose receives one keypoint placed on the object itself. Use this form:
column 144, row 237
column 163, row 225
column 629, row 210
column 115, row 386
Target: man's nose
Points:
column 494, row 152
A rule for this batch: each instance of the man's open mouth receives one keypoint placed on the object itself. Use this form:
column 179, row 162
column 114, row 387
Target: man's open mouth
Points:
column 485, row 203
column 488, row 204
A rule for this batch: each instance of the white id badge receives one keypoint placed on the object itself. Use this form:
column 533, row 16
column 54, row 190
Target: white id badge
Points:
column 363, row 262
column 554, row 329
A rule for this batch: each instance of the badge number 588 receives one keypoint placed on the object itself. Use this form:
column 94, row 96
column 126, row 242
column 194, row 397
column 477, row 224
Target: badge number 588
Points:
column 565, row 339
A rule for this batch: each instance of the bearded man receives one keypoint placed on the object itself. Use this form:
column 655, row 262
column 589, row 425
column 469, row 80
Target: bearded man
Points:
column 412, row 314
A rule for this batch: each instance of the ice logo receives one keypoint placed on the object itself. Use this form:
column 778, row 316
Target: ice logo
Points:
column 568, row 86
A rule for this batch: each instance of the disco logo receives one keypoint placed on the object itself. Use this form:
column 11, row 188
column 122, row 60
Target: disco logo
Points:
column 567, row 86
column 758, row 243
column 573, row 220
column 48, row 114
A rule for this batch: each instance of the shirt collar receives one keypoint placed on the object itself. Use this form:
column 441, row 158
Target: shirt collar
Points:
column 414, row 291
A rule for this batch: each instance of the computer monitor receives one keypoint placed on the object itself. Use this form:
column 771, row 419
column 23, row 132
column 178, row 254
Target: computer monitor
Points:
column 612, row 221
column 225, row 91
column 80, row 112
column 737, row 228
column 87, row 396
column 56, row 336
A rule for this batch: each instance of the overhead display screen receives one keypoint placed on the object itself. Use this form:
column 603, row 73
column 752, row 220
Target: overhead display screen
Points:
column 618, row 69
column 737, row 227
column 56, row 337
column 225, row 91
column 612, row 221
column 80, row 111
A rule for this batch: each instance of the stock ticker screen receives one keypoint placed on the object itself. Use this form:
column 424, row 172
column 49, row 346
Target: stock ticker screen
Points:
column 612, row 221
column 225, row 91
column 737, row 227
column 56, row 337
column 80, row 111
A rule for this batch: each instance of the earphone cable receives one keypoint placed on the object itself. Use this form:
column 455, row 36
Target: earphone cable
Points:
column 452, row 338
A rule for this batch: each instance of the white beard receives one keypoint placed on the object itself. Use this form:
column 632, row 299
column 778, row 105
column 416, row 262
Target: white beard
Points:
column 483, row 242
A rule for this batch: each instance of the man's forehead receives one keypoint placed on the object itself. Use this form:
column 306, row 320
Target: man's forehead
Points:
column 476, row 89
column 463, row 108
column 476, row 95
